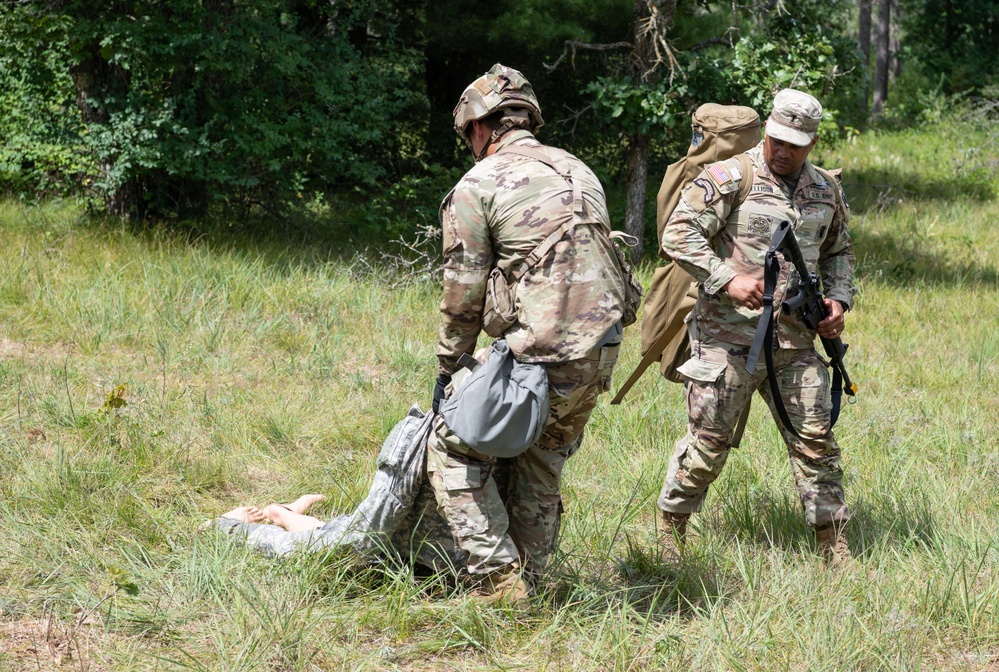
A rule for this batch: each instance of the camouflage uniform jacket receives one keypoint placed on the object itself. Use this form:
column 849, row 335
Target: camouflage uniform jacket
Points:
column 499, row 212
column 714, row 239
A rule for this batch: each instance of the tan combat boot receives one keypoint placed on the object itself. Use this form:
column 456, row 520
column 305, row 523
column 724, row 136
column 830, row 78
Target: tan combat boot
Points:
column 503, row 584
column 673, row 536
column 833, row 547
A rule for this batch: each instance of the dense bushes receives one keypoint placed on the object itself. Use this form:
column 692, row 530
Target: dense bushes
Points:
column 175, row 109
column 187, row 105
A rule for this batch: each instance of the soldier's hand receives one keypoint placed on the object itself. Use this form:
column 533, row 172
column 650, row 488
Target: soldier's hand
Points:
column 832, row 325
column 443, row 380
column 746, row 291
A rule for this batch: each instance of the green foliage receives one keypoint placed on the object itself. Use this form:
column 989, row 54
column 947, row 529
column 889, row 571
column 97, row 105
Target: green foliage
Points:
column 761, row 66
column 41, row 151
column 171, row 110
column 916, row 101
column 953, row 43
column 115, row 400
column 795, row 51
column 640, row 108
column 262, row 102
column 541, row 26
column 801, row 45
column 407, row 204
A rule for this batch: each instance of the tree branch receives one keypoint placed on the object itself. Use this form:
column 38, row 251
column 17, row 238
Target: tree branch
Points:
column 725, row 40
column 574, row 118
column 578, row 44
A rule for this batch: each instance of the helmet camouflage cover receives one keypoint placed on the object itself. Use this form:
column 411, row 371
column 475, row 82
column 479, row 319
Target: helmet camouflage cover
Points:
column 498, row 89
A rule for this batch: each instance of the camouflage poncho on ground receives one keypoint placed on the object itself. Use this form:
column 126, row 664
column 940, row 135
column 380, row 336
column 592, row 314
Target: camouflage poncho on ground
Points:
column 397, row 518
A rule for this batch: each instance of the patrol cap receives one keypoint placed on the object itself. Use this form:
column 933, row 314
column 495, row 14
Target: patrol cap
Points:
column 795, row 117
column 500, row 88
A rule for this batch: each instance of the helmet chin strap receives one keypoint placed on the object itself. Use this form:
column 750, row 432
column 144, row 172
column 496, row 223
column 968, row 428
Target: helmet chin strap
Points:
column 493, row 137
column 481, row 155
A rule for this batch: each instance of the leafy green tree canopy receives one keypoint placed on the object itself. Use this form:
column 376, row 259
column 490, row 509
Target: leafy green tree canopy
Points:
column 954, row 42
column 187, row 105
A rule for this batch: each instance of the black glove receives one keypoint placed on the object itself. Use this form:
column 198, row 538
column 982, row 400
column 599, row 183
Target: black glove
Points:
column 443, row 380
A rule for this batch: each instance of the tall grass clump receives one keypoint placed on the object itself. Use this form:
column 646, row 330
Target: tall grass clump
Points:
column 151, row 379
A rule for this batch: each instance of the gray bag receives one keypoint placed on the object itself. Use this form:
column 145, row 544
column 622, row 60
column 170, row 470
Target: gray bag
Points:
column 501, row 407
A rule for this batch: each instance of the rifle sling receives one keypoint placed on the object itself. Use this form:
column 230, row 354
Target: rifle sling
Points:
column 837, row 396
column 764, row 339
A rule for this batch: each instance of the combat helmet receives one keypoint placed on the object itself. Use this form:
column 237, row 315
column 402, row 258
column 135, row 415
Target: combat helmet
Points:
column 499, row 89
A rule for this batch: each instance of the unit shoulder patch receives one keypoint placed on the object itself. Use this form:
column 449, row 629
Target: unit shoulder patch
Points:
column 446, row 203
column 700, row 193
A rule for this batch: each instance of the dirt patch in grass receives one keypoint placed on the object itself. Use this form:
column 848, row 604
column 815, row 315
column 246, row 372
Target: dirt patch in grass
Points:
column 46, row 645
column 13, row 350
column 10, row 349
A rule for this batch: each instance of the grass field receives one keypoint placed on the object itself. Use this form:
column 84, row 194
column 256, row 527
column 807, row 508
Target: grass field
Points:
column 151, row 380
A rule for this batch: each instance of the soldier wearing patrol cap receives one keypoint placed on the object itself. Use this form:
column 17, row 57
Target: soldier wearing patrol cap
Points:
column 568, row 318
column 722, row 243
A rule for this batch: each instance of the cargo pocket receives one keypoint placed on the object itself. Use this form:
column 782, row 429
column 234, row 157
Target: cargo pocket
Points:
column 805, row 392
column 464, row 495
column 461, row 478
column 703, row 394
column 701, row 371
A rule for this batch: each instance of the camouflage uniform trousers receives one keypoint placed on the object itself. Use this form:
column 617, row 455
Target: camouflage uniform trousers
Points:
column 718, row 389
column 522, row 528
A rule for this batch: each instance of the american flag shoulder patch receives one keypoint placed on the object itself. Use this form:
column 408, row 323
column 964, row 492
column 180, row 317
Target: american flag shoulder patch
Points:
column 721, row 175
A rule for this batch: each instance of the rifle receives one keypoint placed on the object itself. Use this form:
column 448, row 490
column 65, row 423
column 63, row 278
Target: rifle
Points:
column 808, row 303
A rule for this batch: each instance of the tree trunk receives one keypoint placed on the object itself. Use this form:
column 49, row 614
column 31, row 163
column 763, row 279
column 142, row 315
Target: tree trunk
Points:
column 864, row 29
column 637, row 180
column 881, row 57
column 864, row 43
column 652, row 19
column 894, row 43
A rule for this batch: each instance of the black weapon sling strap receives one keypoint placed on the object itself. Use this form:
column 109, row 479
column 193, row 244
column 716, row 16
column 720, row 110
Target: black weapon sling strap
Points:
column 763, row 339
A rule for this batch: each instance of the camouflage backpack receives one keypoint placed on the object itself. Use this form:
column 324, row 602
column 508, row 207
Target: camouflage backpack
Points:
column 719, row 132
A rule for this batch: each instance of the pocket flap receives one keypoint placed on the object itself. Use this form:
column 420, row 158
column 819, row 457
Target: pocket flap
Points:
column 461, row 478
column 701, row 371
